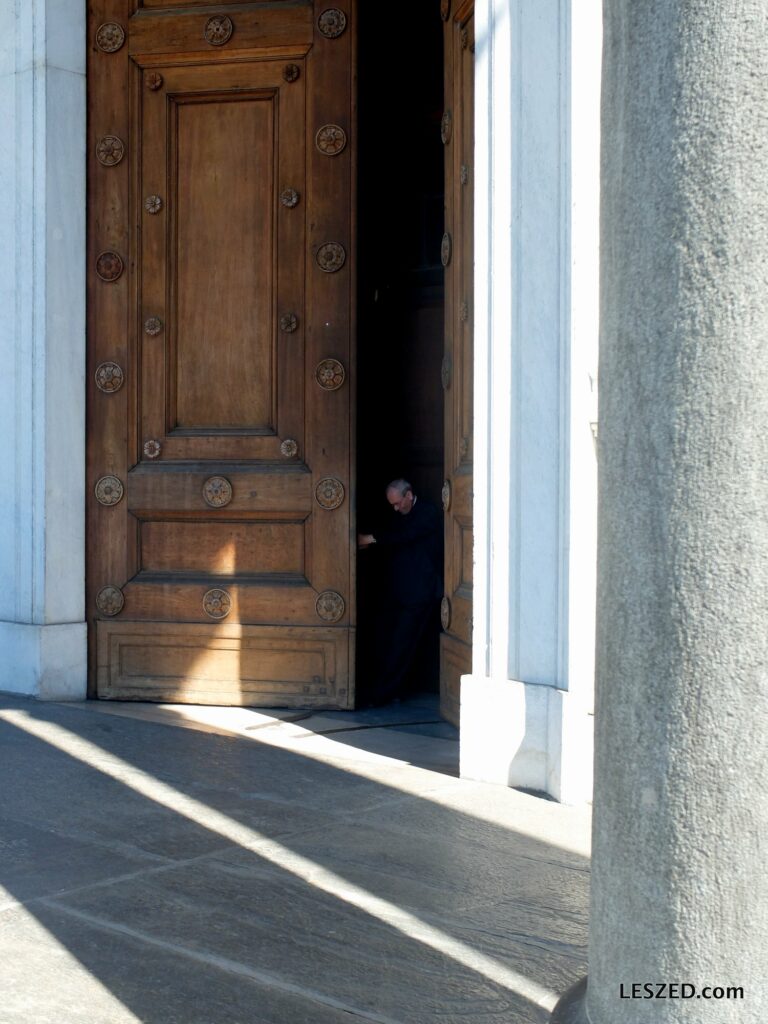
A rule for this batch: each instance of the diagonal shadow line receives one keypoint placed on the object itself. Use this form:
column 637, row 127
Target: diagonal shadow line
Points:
column 245, row 915
column 303, row 868
column 222, row 963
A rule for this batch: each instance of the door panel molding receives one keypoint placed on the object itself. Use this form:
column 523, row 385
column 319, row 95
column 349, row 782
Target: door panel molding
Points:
column 187, row 663
column 218, row 321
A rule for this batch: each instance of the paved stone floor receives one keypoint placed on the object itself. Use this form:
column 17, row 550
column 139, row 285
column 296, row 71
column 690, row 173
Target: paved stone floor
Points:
column 185, row 865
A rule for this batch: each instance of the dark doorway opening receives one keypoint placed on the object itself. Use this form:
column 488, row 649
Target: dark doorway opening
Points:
column 401, row 291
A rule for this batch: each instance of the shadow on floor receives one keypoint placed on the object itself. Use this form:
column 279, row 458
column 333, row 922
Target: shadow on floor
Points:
column 408, row 730
column 162, row 875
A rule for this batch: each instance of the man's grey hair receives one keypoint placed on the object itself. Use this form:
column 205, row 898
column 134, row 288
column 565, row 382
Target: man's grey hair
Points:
column 400, row 485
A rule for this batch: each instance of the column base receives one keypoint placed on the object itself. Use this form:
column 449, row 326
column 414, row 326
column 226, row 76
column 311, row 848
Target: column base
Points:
column 47, row 662
column 571, row 1007
column 504, row 732
column 527, row 735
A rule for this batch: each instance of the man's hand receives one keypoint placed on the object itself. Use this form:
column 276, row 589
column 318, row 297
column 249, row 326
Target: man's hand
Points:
column 364, row 540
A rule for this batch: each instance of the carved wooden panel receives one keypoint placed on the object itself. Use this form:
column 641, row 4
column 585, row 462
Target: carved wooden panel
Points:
column 276, row 601
column 256, row 492
column 197, row 663
column 273, row 25
column 217, row 143
column 219, row 306
column 171, row 4
column 237, row 549
column 207, row 183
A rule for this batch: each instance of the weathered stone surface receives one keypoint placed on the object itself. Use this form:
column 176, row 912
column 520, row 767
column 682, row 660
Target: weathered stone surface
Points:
column 679, row 878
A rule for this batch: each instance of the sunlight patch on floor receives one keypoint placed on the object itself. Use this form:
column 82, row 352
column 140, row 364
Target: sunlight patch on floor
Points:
column 567, row 828
column 306, row 870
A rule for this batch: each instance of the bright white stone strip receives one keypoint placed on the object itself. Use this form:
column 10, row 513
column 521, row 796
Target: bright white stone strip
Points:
column 300, row 867
column 34, row 945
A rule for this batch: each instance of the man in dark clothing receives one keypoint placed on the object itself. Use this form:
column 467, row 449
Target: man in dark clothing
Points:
column 412, row 545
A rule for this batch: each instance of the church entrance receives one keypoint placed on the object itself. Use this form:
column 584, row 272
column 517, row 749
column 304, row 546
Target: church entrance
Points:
column 271, row 256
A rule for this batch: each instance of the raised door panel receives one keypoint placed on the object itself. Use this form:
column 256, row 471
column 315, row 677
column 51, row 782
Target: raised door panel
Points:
column 221, row 267
column 149, row 5
column 186, row 663
column 274, row 26
column 458, row 136
column 220, row 460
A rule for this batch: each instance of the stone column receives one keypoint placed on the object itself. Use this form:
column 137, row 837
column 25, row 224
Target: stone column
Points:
column 680, row 874
column 42, row 348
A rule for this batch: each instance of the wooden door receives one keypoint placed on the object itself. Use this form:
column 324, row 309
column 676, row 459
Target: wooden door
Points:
column 457, row 256
column 220, row 288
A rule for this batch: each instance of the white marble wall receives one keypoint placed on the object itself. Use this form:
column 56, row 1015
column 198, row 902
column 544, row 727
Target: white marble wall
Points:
column 525, row 709
column 42, row 346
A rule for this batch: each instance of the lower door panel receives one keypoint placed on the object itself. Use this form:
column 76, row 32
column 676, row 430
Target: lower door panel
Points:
column 223, row 664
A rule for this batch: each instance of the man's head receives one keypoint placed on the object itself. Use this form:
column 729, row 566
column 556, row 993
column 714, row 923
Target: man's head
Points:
column 400, row 496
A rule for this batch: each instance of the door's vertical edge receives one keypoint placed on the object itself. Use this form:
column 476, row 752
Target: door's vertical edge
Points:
column 448, row 707
column 457, row 256
column 352, row 446
column 332, row 311
column 106, row 411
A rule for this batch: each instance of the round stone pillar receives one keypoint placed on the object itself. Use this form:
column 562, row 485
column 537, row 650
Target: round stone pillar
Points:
column 680, row 871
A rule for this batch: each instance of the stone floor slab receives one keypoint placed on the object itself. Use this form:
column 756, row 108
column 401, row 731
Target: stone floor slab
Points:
column 261, row 869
